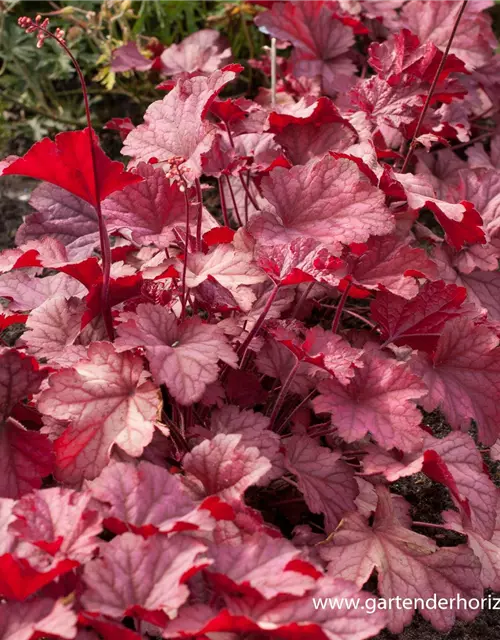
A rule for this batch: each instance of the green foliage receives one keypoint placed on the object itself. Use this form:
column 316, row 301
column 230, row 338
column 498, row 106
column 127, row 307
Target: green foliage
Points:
column 39, row 92
column 169, row 21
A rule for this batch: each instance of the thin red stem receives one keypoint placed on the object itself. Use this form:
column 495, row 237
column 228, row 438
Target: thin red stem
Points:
column 294, row 411
column 175, row 433
column 302, row 299
column 247, row 199
column 200, row 214
column 247, row 191
column 430, row 524
column 479, row 138
column 283, row 393
column 413, row 143
column 103, row 233
column 411, row 335
column 235, row 206
column 242, row 350
column 229, row 134
column 340, row 307
column 223, row 205
column 184, row 292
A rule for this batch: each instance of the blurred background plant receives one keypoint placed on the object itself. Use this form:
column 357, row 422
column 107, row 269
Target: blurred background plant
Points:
column 39, row 93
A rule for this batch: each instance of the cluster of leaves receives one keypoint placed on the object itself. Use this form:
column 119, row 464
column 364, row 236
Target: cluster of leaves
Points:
column 200, row 426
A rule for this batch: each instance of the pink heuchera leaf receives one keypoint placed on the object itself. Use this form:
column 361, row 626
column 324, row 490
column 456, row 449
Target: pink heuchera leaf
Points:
column 387, row 106
column 19, row 580
column 390, row 263
column 67, row 163
column 327, row 483
column 403, row 53
column 329, row 200
column 105, row 627
column 276, row 361
column 204, row 51
column 7, row 541
column 29, row 292
column 380, row 399
column 175, row 127
column 298, row 618
column 310, row 128
column 321, row 42
column 473, row 491
column 329, row 350
column 15, row 366
column 149, row 210
column 483, row 287
column 46, row 252
column 302, row 260
column 455, row 462
column 183, row 356
column 123, row 125
column 137, row 576
column 474, row 41
column 487, row 550
column 108, row 400
column 461, row 222
column 37, row 618
column 262, row 563
column 384, row 10
column 224, row 466
column 418, row 322
column 60, row 521
column 54, row 326
column 316, row 350
column 63, row 216
column 8, row 319
column 391, row 464
column 463, row 377
column 254, row 430
column 146, row 499
column 26, row 456
column 129, row 58
column 229, row 265
column 409, row 565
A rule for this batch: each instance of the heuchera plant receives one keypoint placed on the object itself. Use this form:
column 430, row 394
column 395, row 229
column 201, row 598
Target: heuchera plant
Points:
column 203, row 418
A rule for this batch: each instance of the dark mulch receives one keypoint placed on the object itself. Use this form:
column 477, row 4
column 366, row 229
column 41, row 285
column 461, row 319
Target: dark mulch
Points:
column 14, row 195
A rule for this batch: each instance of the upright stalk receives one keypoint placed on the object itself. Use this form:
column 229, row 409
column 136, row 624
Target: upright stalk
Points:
column 200, row 214
column 340, row 308
column 222, row 199
column 294, row 411
column 413, row 143
column 255, row 329
column 246, row 187
column 273, row 73
column 235, row 206
column 283, row 392
column 246, row 195
column 184, row 292
column 103, row 233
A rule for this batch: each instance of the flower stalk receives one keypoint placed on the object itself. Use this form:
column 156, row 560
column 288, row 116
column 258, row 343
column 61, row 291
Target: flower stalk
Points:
column 43, row 33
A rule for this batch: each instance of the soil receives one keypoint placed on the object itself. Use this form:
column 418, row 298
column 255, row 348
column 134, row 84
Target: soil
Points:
column 14, row 196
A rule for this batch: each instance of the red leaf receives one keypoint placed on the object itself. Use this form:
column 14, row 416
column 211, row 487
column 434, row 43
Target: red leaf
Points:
column 419, row 321
column 67, row 163
column 218, row 235
column 19, row 580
